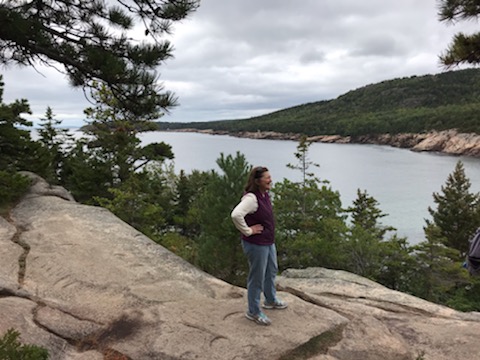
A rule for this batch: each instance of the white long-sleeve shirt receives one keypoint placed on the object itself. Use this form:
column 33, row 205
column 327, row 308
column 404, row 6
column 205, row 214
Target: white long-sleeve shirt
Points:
column 248, row 205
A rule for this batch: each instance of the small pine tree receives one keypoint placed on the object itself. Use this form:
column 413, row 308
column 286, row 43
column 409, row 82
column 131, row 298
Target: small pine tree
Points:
column 112, row 152
column 17, row 150
column 309, row 216
column 458, row 211
column 187, row 189
column 12, row 187
column 365, row 242
column 304, row 161
column 12, row 349
column 439, row 272
column 366, row 214
column 397, row 264
column 220, row 252
column 139, row 201
column 56, row 142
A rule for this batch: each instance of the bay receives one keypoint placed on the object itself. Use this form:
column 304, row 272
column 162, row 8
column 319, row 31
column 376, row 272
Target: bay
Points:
column 401, row 181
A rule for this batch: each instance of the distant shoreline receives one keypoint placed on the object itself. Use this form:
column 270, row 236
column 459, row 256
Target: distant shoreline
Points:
column 448, row 142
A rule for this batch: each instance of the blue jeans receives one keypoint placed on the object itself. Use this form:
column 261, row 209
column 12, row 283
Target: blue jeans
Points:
column 262, row 260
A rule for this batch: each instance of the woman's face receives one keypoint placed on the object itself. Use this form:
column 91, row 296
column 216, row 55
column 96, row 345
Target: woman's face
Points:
column 265, row 181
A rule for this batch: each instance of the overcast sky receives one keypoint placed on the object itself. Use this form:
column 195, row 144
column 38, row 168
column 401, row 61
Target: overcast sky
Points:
column 241, row 58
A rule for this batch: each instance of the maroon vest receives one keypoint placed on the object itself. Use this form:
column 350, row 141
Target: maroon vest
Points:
column 263, row 216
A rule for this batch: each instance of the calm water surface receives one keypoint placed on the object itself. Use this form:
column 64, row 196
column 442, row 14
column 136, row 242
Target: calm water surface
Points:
column 401, row 181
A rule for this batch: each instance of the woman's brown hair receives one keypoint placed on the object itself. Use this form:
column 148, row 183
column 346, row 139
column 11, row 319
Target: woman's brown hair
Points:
column 255, row 174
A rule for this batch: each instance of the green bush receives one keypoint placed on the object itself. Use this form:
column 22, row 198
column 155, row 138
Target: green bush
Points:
column 12, row 187
column 180, row 245
column 12, row 349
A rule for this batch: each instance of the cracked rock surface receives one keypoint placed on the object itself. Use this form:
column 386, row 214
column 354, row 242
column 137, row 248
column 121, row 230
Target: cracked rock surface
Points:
column 385, row 324
column 92, row 287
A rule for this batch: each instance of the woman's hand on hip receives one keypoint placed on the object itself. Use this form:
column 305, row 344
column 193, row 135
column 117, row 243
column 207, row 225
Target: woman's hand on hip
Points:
column 256, row 229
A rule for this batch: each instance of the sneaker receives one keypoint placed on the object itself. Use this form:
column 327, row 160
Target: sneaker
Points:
column 277, row 304
column 260, row 318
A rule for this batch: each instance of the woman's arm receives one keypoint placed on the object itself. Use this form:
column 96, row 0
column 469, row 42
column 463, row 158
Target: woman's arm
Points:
column 247, row 205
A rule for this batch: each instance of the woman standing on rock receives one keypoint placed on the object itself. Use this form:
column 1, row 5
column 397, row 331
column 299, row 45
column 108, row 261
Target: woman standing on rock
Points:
column 253, row 217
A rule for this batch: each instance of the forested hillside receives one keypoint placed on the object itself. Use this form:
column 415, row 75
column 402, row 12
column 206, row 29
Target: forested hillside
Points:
column 449, row 100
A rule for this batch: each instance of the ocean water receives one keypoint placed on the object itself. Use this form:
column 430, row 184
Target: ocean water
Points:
column 401, row 181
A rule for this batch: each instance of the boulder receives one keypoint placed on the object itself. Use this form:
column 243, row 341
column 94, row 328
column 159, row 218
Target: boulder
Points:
column 450, row 142
column 463, row 144
column 385, row 324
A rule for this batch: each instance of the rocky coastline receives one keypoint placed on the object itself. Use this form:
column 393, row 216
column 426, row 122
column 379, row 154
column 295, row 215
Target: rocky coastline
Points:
column 449, row 142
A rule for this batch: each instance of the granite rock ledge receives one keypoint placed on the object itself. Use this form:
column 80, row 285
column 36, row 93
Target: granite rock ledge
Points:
column 93, row 286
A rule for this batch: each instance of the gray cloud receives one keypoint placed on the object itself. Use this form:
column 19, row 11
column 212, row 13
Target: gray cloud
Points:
column 242, row 58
